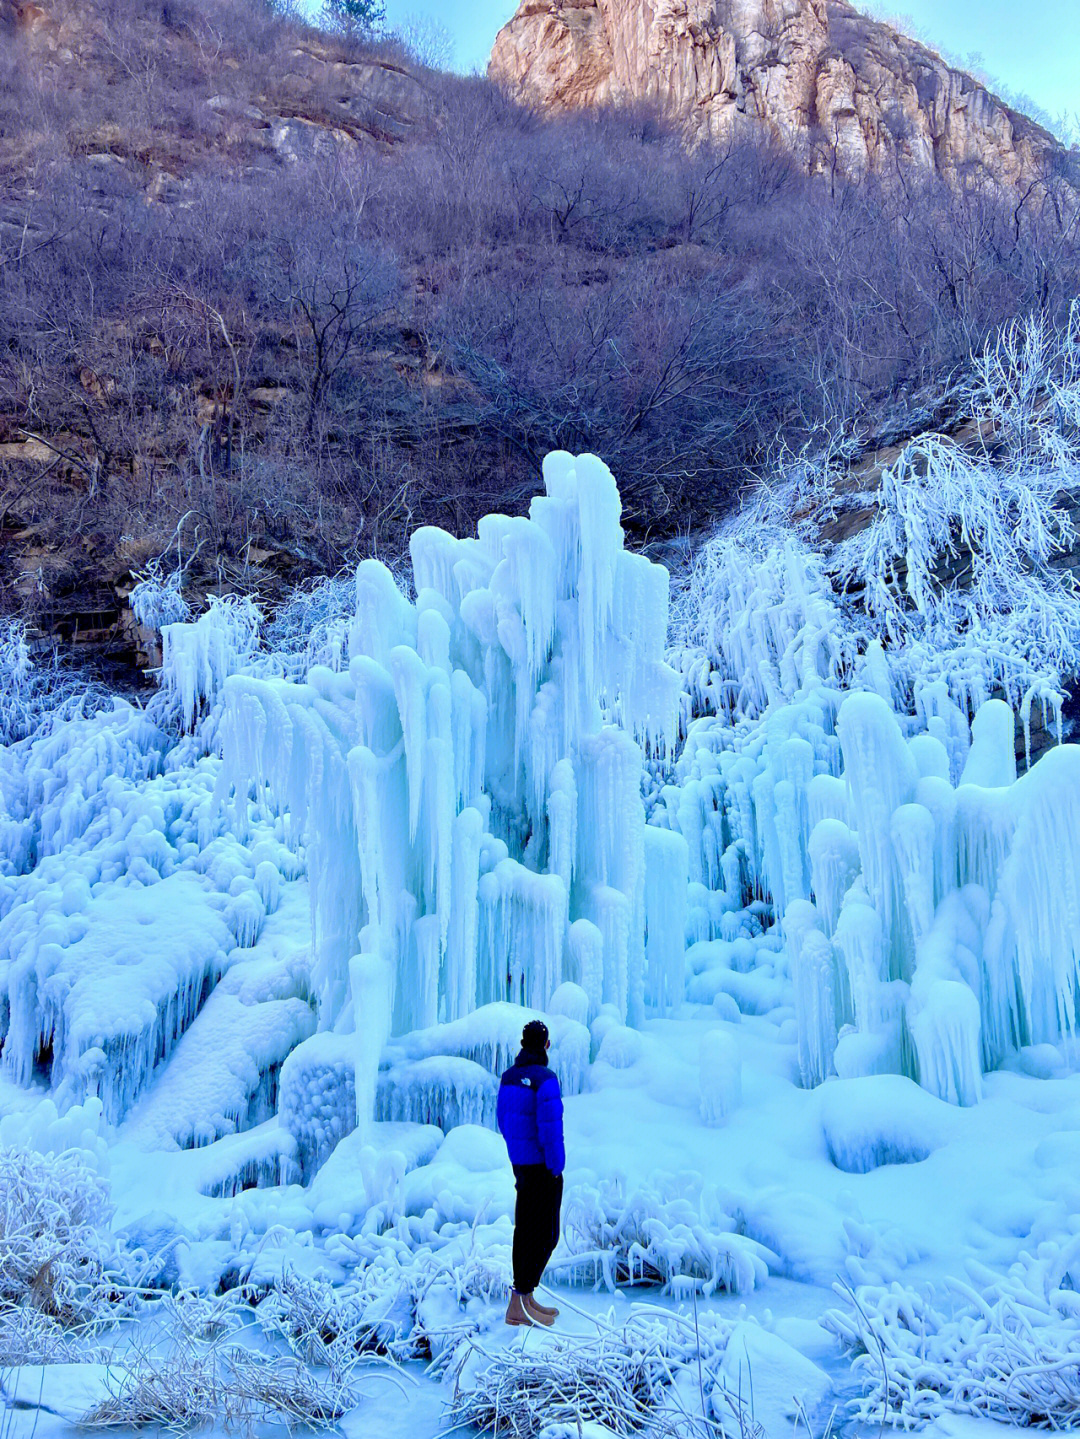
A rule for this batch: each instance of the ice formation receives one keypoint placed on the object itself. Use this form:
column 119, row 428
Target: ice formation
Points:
column 469, row 785
column 304, row 902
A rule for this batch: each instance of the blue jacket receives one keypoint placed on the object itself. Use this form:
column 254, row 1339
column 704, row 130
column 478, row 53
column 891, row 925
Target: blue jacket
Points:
column 530, row 1113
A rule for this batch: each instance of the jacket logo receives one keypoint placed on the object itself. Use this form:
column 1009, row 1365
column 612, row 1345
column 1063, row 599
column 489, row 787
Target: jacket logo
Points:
column 527, row 1082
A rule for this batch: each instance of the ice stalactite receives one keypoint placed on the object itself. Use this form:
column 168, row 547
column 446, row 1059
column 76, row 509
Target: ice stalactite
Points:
column 943, row 1010
column 442, row 1090
column 469, row 784
column 834, row 863
column 815, row 980
column 1040, row 897
column 940, row 936
column 197, row 656
column 666, row 865
column 881, row 775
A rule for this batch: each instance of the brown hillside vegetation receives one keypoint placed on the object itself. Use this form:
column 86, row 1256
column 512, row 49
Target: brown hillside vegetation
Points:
column 271, row 298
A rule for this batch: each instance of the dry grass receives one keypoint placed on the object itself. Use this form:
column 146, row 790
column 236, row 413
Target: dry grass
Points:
column 651, row 1375
column 227, row 1384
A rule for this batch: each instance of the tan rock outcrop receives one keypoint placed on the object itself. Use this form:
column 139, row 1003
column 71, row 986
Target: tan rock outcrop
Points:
column 837, row 88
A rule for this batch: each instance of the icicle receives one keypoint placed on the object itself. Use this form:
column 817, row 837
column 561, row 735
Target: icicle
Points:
column 586, row 945
column 913, row 843
column 943, row 1008
column 834, row 864
column 991, row 761
column 371, row 990
column 1040, row 887
column 881, row 775
column 666, row 881
column 562, row 806
column 460, row 984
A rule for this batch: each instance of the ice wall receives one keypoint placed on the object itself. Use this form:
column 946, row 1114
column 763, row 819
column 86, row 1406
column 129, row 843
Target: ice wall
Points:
column 469, row 784
column 927, row 896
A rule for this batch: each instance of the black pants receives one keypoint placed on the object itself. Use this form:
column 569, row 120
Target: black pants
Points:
column 536, row 1223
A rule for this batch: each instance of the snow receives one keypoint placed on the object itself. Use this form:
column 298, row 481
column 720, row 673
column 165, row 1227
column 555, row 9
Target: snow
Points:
column 764, row 1373
column 881, row 1119
column 804, row 931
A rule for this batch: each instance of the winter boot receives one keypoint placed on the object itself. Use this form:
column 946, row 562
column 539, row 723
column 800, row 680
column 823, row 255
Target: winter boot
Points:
column 540, row 1312
column 516, row 1313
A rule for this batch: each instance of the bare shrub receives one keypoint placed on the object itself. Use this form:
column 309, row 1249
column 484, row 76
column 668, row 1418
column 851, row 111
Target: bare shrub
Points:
column 298, row 361
column 61, row 1277
column 54, row 1249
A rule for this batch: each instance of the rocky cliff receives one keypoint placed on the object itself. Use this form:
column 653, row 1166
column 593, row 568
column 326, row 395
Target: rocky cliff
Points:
column 841, row 90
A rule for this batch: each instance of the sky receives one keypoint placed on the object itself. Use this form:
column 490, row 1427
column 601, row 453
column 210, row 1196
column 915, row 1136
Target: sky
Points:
column 1032, row 46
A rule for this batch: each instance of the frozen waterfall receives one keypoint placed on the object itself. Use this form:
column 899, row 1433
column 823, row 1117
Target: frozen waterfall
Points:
column 334, row 897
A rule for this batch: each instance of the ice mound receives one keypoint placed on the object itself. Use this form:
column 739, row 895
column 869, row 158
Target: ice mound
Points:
column 257, row 1158
column 882, row 1119
column 491, row 1037
column 227, row 1065
column 102, row 987
column 468, row 1179
column 444, row 1090
column 361, row 1182
column 762, row 1375
column 317, row 1103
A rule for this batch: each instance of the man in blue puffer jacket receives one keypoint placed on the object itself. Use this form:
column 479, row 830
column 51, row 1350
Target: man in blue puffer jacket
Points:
column 530, row 1114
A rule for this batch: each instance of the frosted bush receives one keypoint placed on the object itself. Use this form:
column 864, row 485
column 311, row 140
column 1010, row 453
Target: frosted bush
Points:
column 955, row 573
column 674, row 1237
column 332, row 1327
column 37, row 696
column 1003, row 1348
column 625, row 1381
column 56, row 1255
column 198, row 657
column 312, row 627
column 576, row 1383
column 157, row 599
column 1026, row 381
column 193, row 1386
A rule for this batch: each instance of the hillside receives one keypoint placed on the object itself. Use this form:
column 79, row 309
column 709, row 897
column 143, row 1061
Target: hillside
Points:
column 270, row 298
column 841, row 91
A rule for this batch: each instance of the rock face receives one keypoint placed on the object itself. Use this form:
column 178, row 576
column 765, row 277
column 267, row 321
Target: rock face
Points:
column 841, row 90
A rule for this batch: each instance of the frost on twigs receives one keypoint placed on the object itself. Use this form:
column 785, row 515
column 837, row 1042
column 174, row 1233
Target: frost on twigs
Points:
column 332, row 1327
column 157, row 599
column 674, row 1237
column 1003, row 1348
column 956, row 574
column 600, row 1381
column 231, row 1385
column 57, row 1260
column 37, row 695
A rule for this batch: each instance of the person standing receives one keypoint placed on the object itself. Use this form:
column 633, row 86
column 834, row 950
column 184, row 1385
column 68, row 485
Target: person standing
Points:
column 530, row 1117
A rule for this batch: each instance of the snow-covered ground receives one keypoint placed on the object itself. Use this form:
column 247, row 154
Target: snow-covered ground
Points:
column 806, row 937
